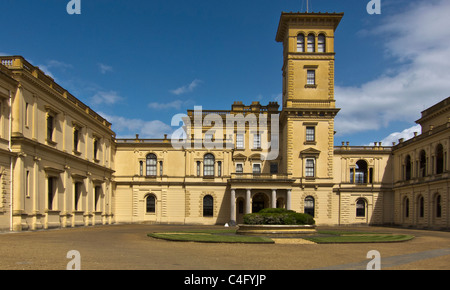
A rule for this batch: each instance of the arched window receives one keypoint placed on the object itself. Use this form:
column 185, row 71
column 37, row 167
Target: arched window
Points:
column 406, row 207
column 311, row 43
column 361, row 172
column 439, row 159
column 423, row 164
column 208, row 205
column 309, row 205
column 438, row 206
column 300, row 43
column 151, row 164
column 408, row 168
column 150, row 203
column 208, row 165
column 421, row 207
column 360, row 208
column 321, row 43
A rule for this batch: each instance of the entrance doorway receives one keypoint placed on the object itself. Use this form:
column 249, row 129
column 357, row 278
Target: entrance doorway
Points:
column 259, row 202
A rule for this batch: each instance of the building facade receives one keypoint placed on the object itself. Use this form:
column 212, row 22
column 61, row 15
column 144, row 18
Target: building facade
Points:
column 61, row 154
column 61, row 165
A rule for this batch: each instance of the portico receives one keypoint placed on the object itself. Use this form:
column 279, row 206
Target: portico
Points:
column 251, row 196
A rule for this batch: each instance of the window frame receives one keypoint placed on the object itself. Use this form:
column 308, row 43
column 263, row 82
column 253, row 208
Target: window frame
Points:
column 311, row 77
column 209, row 161
column 310, row 169
column 240, row 144
column 208, row 206
column 257, row 165
column 300, row 42
column 150, row 168
column 308, row 134
column 321, row 43
column 310, row 209
column 242, row 167
column 311, row 43
column 256, row 141
column 361, row 212
column 150, row 204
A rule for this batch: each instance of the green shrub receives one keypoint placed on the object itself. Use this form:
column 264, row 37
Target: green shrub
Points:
column 278, row 216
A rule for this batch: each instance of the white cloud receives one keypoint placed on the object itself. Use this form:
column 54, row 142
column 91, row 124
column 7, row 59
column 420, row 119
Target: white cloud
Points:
column 186, row 88
column 108, row 98
column 53, row 64
column 105, row 68
column 405, row 134
column 177, row 105
column 127, row 128
column 420, row 48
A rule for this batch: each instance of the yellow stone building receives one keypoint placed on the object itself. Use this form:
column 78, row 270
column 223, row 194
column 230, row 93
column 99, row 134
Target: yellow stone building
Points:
column 61, row 165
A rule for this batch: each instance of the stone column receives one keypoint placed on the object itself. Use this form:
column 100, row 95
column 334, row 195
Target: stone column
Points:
column 288, row 199
column 274, row 198
column 233, row 207
column 247, row 201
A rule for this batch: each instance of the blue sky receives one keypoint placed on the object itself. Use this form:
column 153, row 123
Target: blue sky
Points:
column 140, row 62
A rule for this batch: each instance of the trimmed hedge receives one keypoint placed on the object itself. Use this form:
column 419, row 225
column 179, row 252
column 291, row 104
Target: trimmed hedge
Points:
column 278, row 216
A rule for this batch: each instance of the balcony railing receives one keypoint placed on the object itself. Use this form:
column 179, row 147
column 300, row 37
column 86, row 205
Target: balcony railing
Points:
column 260, row 176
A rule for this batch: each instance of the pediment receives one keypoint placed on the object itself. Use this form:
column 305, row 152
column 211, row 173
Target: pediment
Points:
column 309, row 152
column 239, row 156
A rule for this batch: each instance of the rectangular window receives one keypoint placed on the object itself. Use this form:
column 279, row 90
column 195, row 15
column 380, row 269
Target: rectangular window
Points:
column 50, row 192
column 160, row 168
column 50, row 127
column 77, row 189
column 310, row 134
column 310, row 168
column 95, row 149
column 239, row 168
column 256, row 168
column 198, row 168
column 97, row 191
column 256, row 141
column 311, row 77
column 26, row 113
column 240, row 141
column 76, row 138
column 219, row 168
column 27, row 184
column 273, row 168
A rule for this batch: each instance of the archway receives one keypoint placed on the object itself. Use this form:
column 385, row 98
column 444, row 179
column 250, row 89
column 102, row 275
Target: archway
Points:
column 259, row 202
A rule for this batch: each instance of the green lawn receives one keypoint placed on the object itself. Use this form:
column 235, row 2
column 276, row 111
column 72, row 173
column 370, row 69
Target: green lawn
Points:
column 356, row 237
column 322, row 237
column 214, row 236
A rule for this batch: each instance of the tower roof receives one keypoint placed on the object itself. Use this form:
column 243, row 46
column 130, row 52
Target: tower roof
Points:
column 331, row 19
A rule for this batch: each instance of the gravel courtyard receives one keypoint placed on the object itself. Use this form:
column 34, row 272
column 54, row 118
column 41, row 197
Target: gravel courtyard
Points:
column 127, row 247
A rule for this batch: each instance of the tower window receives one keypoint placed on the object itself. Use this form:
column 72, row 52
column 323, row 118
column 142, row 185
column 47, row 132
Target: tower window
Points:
column 300, row 43
column 311, row 43
column 311, row 77
column 310, row 134
column 310, row 168
column 321, row 43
